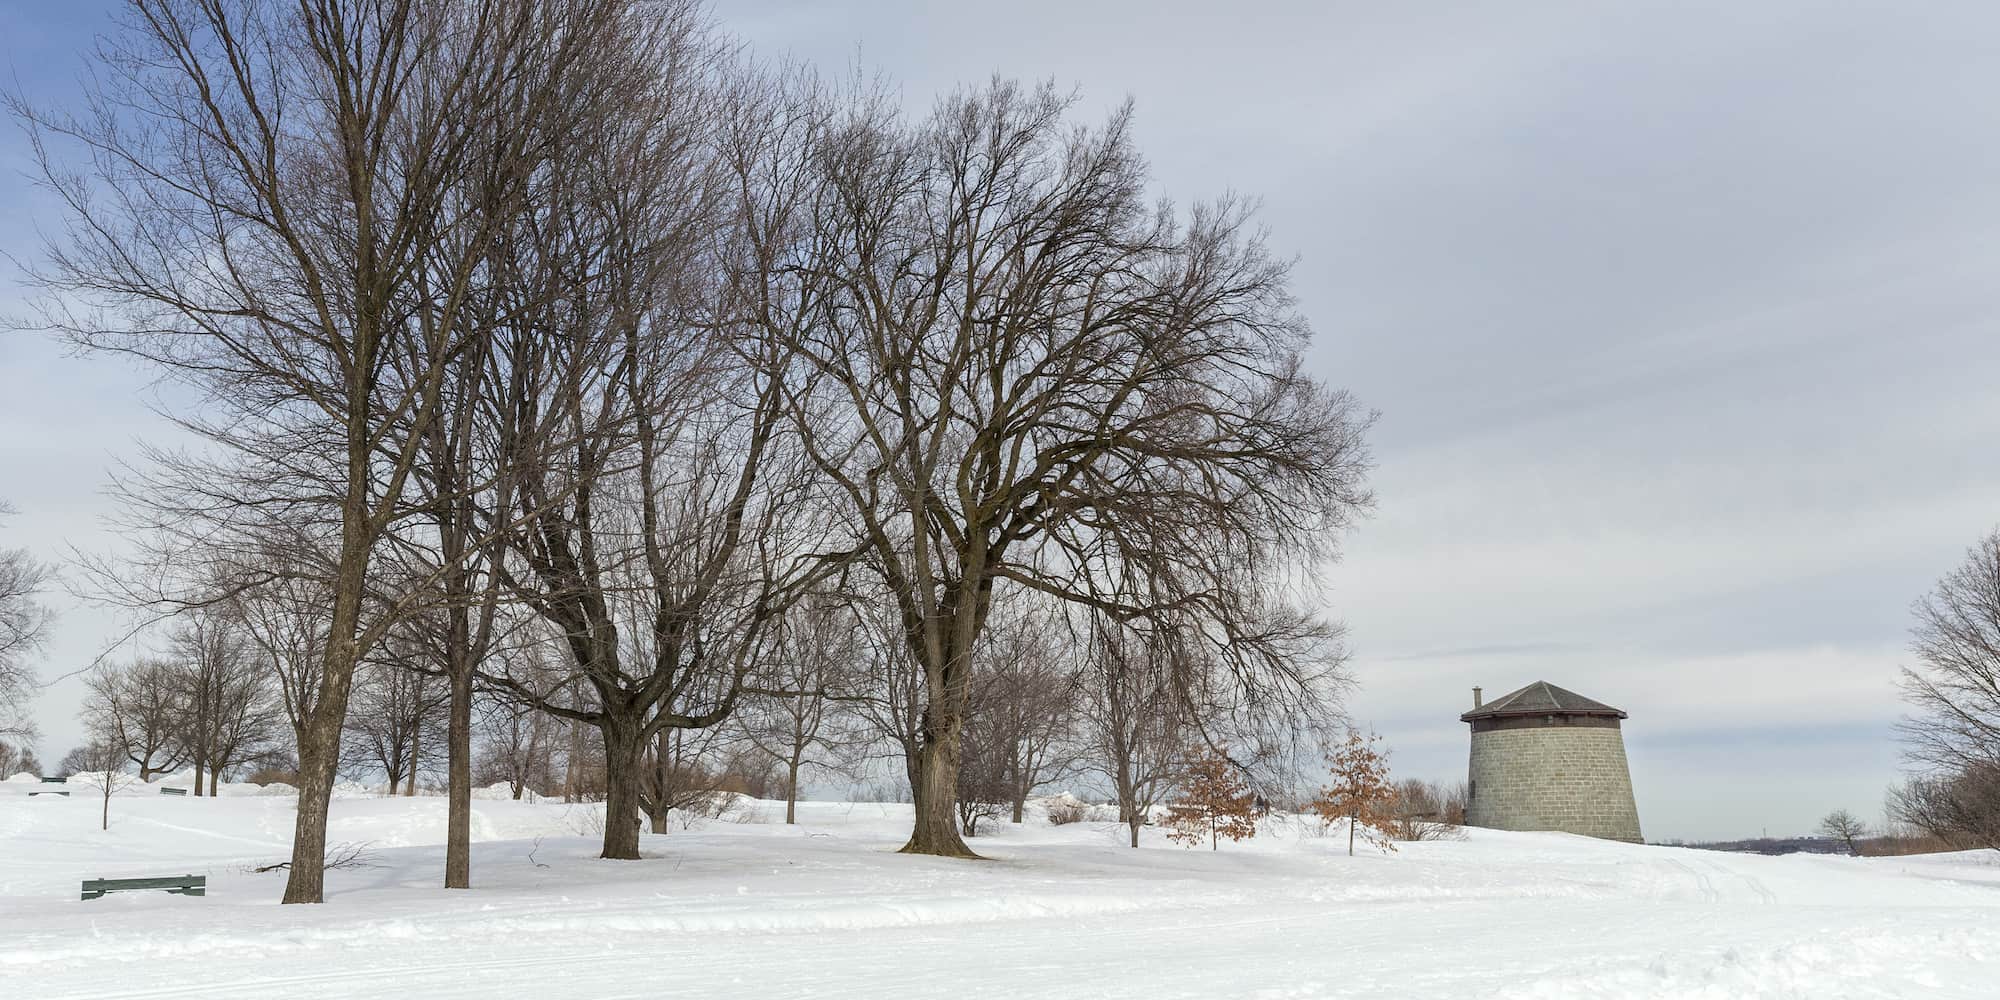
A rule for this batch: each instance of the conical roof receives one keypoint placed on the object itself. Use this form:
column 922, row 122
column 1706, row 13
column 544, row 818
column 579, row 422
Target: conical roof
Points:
column 1541, row 698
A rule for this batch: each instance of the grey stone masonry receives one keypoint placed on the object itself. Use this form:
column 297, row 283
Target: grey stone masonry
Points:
column 1572, row 779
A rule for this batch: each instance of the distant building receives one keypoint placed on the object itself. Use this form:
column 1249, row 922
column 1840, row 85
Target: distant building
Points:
column 1548, row 759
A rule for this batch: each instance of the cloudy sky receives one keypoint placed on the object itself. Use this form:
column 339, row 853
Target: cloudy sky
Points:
column 1680, row 318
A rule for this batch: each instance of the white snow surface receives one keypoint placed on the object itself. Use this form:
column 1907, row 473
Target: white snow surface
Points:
column 746, row 906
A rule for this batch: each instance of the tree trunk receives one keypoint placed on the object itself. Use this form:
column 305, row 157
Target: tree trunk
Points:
column 318, row 756
column 410, row 780
column 105, row 823
column 548, row 767
column 621, row 788
column 458, row 778
column 1128, row 796
column 319, row 738
column 792, row 792
column 575, row 759
column 935, row 796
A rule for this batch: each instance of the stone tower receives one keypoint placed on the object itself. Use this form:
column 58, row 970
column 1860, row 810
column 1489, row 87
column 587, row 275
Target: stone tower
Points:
column 1548, row 759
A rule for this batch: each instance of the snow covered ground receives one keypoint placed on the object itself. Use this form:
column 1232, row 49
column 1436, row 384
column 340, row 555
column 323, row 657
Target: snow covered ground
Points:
column 748, row 907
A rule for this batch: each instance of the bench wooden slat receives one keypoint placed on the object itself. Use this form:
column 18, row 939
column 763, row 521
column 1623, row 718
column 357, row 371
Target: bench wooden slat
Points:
column 187, row 885
column 173, row 791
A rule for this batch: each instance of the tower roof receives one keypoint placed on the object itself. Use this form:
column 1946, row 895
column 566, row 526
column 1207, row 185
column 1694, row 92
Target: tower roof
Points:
column 1541, row 698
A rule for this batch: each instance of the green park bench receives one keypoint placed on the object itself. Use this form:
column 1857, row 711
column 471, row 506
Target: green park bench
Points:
column 64, row 792
column 46, row 780
column 186, row 885
column 173, row 791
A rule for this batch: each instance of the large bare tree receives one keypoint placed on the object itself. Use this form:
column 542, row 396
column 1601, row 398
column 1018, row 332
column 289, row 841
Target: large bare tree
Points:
column 264, row 208
column 1022, row 374
column 666, row 522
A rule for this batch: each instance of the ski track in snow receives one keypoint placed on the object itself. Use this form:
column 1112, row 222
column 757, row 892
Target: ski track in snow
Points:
column 827, row 910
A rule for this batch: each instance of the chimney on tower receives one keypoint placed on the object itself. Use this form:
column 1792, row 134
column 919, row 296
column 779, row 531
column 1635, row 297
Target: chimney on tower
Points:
column 1477, row 700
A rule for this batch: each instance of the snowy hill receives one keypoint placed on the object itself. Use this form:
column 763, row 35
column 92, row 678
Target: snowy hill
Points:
column 747, row 907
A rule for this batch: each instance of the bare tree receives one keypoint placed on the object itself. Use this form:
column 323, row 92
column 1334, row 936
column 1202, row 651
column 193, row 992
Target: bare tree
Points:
column 583, row 763
column 227, row 715
column 984, row 784
column 284, row 617
column 517, row 747
column 1028, row 703
column 1961, row 809
column 1955, row 692
column 890, row 703
column 99, row 764
column 1845, row 827
column 396, row 722
column 677, row 773
column 1952, row 737
column 1006, row 739
column 24, row 623
column 1427, row 810
column 1023, row 375
column 669, row 526
column 264, row 210
column 1135, row 721
column 805, row 722
column 137, row 707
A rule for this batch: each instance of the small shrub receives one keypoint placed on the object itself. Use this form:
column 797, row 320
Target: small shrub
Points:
column 971, row 812
column 1902, row 843
column 1428, row 811
column 277, row 775
column 584, row 820
column 1066, row 811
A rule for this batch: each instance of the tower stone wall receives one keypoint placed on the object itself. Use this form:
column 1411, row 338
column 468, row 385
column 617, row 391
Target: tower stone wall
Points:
column 1568, row 778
